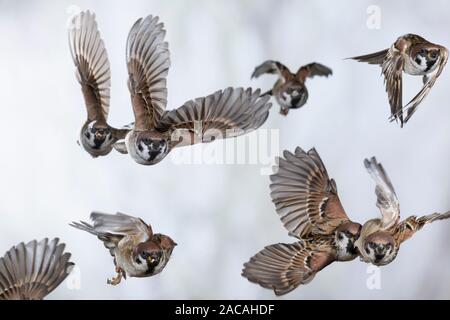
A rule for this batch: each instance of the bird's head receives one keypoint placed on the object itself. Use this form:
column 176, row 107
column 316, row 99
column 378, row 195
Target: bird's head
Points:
column 96, row 138
column 426, row 57
column 346, row 236
column 166, row 243
column 293, row 95
column 379, row 248
column 151, row 147
column 149, row 253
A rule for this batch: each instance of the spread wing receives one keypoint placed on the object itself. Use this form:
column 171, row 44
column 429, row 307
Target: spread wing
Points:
column 411, row 107
column 305, row 198
column 272, row 67
column 311, row 70
column 148, row 64
column 387, row 200
column 283, row 267
column 33, row 270
column 111, row 228
column 92, row 65
column 223, row 114
column 392, row 68
column 372, row 58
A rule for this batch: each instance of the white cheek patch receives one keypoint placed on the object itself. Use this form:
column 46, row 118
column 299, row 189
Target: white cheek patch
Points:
column 143, row 149
column 371, row 254
column 88, row 136
column 342, row 246
column 141, row 266
column 286, row 98
column 421, row 62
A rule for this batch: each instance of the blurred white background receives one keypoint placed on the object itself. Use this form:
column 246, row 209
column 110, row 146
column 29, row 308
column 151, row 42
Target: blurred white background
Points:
column 220, row 215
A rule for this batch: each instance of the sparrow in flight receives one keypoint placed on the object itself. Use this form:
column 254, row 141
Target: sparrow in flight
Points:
column 381, row 238
column 137, row 251
column 307, row 202
column 97, row 137
column 223, row 114
column 33, row 270
column 155, row 132
column 413, row 55
column 290, row 90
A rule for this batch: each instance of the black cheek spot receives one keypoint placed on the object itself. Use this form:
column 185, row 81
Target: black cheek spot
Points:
column 367, row 251
column 87, row 134
column 140, row 147
column 430, row 64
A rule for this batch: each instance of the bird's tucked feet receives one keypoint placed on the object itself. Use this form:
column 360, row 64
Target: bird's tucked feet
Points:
column 284, row 111
column 114, row 281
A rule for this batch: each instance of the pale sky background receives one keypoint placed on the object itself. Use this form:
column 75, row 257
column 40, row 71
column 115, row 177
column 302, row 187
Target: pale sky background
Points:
column 220, row 215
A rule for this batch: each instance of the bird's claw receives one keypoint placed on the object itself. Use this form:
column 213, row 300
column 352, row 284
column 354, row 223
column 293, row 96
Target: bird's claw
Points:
column 284, row 111
column 114, row 281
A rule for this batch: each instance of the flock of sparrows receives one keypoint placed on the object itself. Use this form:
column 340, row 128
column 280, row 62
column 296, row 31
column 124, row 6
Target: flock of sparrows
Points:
column 305, row 198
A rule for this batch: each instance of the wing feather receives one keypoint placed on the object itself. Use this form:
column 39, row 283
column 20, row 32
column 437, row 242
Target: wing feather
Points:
column 148, row 62
column 272, row 67
column 392, row 68
column 111, row 228
column 387, row 200
column 283, row 267
column 305, row 197
column 224, row 114
column 411, row 107
column 92, row 65
column 32, row 271
column 311, row 70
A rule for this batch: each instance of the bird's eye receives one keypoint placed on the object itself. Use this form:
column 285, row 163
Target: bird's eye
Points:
column 367, row 250
column 144, row 254
column 341, row 237
column 140, row 147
